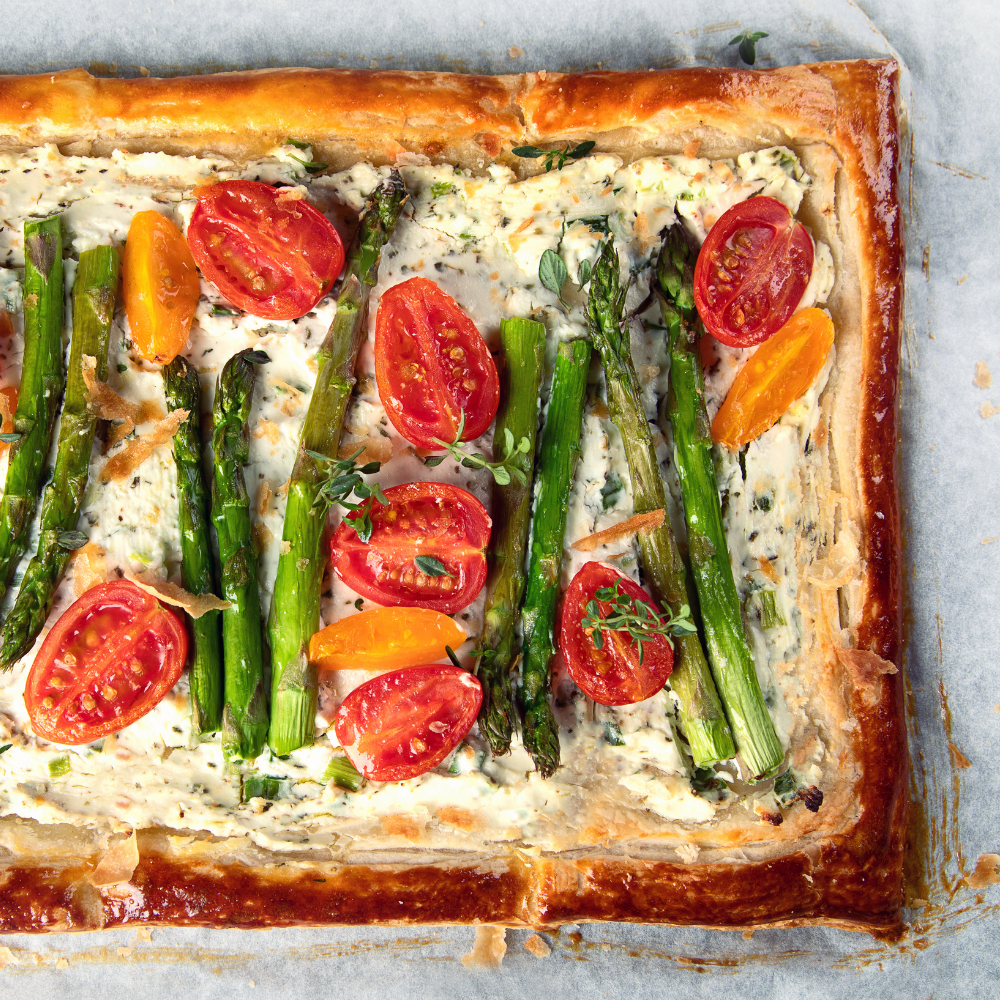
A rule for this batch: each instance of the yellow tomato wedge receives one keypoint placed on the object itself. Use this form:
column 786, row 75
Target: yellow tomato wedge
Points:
column 161, row 287
column 779, row 372
column 385, row 638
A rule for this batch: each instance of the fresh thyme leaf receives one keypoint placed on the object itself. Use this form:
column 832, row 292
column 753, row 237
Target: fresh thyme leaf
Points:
column 223, row 311
column 343, row 479
column 582, row 150
column 71, row 540
column 257, row 358
column 297, row 143
column 584, row 272
column 432, row 566
column 748, row 45
column 552, row 273
column 433, row 461
column 122, row 368
column 640, row 619
column 613, row 734
column 528, row 152
column 10, row 438
column 6, row 747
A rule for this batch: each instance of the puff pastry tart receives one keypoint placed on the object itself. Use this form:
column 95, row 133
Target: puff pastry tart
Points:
column 438, row 498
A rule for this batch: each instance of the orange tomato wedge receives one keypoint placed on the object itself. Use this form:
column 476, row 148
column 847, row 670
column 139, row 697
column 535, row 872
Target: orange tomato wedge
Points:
column 779, row 372
column 385, row 638
column 161, row 287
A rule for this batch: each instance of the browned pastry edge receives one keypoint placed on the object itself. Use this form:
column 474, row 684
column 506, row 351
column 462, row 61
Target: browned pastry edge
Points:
column 851, row 879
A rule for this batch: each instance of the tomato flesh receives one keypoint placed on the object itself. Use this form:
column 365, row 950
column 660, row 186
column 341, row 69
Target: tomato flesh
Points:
column 400, row 724
column 611, row 675
column 267, row 250
column 161, row 287
column 107, row 661
column 435, row 520
column 385, row 638
column 752, row 271
column 431, row 364
column 779, row 372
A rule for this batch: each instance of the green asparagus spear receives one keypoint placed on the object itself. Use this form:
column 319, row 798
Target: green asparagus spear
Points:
column 244, row 718
column 197, row 569
column 295, row 604
column 93, row 310
column 41, row 388
column 728, row 650
column 702, row 718
column 522, row 349
column 556, row 464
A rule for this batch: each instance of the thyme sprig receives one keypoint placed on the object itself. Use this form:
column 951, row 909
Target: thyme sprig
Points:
column 502, row 471
column 343, row 478
column 640, row 619
column 748, row 45
column 557, row 158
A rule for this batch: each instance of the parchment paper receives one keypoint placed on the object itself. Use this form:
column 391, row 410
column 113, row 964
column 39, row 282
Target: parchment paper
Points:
column 950, row 474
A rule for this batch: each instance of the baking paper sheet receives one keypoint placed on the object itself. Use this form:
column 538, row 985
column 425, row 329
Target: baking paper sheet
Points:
column 950, row 474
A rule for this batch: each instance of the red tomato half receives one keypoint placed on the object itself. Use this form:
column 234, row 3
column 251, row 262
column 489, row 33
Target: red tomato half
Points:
column 431, row 363
column 433, row 520
column 108, row 660
column 400, row 724
column 752, row 272
column 269, row 252
column 611, row 675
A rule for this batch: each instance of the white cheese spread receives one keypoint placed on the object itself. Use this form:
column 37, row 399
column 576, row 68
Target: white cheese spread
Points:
column 480, row 238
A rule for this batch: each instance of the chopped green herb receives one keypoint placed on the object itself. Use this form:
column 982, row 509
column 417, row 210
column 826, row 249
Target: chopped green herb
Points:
column 259, row 786
column 10, row 438
column 440, row 188
column 343, row 773
column 223, row 311
column 612, row 734
column 121, row 367
column 6, row 747
column 610, row 490
column 59, row 767
column 359, row 603
column 770, row 616
column 784, row 787
column 297, row 143
column 705, row 779
column 748, row 45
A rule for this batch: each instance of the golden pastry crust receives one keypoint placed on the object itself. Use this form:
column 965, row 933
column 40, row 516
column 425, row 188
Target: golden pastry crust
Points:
column 841, row 866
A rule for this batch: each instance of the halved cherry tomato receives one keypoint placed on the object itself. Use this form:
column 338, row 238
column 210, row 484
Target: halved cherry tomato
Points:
column 267, row 250
column 384, row 638
column 431, row 363
column 161, row 287
column 400, row 724
column 611, row 675
column 107, row 661
column 433, row 520
column 752, row 271
column 777, row 374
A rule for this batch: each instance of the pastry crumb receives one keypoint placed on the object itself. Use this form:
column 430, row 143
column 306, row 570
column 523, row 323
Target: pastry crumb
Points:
column 143, row 934
column 537, row 946
column 62, row 963
column 987, row 541
column 747, row 934
column 984, row 377
column 7, row 957
column 688, row 853
column 988, row 410
column 515, row 52
column 123, row 952
column 987, row 872
column 489, row 949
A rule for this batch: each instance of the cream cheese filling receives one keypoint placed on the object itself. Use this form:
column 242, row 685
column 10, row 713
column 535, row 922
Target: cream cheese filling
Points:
column 480, row 238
